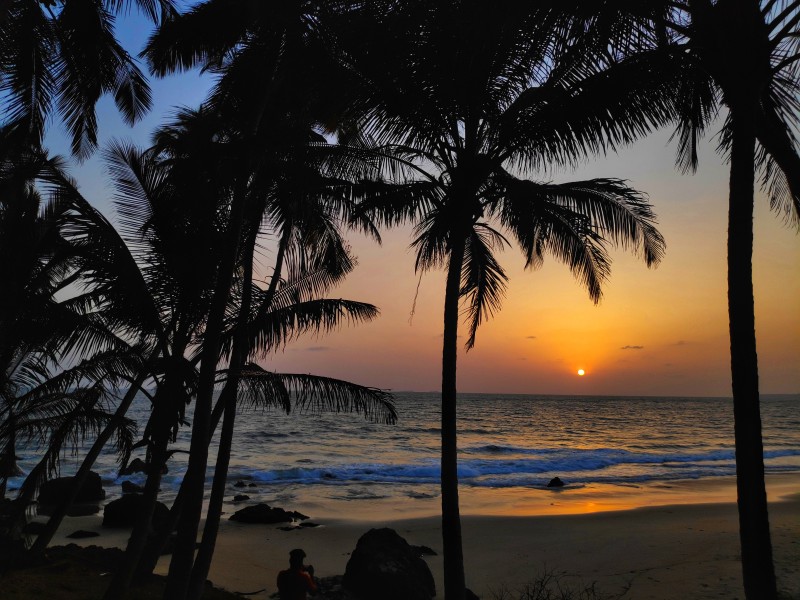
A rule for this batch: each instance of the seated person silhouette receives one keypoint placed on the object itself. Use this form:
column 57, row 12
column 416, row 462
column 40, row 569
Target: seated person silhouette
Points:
column 298, row 579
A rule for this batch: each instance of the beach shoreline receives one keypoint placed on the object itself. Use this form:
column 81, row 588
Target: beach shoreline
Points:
column 660, row 552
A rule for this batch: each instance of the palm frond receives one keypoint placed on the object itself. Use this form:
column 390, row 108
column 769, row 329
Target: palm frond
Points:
column 277, row 327
column 483, row 279
column 310, row 393
column 779, row 162
column 91, row 62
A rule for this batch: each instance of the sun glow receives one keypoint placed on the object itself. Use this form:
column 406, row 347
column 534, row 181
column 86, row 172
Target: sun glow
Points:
column 581, row 372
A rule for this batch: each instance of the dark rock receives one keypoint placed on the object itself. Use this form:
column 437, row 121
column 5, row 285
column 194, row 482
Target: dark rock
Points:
column 262, row 513
column 308, row 524
column 124, row 511
column 424, row 551
column 82, row 534
column 53, row 491
column 252, row 485
column 128, row 487
column 239, row 484
column 288, row 528
column 241, row 497
column 555, row 482
column 330, row 588
column 137, row 465
column 382, row 560
column 470, row 595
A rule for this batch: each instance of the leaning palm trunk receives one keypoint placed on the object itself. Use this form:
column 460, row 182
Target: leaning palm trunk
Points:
column 121, row 582
column 757, row 567
column 238, row 358
column 157, row 542
column 454, row 581
column 180, row 567
column 46, row 536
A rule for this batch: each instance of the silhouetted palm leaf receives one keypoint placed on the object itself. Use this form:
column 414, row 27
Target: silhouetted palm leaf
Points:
column 265, row 389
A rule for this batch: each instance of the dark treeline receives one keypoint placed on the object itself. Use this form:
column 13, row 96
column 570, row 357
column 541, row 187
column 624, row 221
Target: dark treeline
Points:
column 329, row 119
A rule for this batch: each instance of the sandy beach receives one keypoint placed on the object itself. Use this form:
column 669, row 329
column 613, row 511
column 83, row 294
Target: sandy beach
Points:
column 675, row 551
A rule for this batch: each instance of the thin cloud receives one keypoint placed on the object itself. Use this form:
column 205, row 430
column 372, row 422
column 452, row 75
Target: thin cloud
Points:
column 531, row 337
column 632, row 348
column 318, row 349
column 681, row 343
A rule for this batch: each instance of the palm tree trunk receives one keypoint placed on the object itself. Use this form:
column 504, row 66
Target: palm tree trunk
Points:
column 239, row 355
column 118, row 588
column 454, row 582
column 45, row 537
column 757, row 566
column 180, row 567
column 155, row 544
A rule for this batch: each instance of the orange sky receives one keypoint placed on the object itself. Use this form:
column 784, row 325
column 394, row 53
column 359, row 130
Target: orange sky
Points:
column 656, row 332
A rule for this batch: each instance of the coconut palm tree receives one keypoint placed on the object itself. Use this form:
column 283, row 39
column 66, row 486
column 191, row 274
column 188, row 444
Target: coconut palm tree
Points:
column 738, row 58
column 166, row 204
column 284, row 44
column 299, row 199
column 746, row 51
column 470, row 94
column 58, row 356
column 62, row 55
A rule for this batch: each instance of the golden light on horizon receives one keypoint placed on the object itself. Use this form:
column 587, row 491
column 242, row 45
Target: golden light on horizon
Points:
column 581, row 372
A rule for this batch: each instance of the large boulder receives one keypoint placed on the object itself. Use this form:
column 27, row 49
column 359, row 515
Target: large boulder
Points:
column 86, row 503
column 53, row 491
column 263, row 513
column 128, row 487
column 124, row 511
column 384, row 562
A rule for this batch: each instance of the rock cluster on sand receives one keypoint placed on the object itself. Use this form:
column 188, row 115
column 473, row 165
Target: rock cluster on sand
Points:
column 86, row 503
column 82, row 534
column 124, row 511
column 384, row 561
column 263, row 513
column 128, row 487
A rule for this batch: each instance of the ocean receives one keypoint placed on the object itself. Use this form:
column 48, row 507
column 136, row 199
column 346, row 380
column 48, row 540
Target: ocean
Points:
column 510, row 446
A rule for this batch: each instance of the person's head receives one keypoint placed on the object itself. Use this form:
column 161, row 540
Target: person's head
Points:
column 296, row 557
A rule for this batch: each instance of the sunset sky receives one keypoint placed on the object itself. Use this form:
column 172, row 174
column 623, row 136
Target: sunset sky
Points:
column 657, row 331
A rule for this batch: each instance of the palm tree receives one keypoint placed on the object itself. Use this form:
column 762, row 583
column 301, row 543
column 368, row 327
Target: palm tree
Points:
column 298, row 196
column 740, row 55
column 749, row 51
column 48, row 405
column 166, row 204
column 284, row 44
column 472, row 97
column 107, row 272
column 64, row 54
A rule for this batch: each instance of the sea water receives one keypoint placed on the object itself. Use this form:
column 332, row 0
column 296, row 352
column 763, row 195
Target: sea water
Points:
column 510, row 446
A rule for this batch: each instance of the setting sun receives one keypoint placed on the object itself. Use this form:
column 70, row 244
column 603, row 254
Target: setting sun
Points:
column 581, row 372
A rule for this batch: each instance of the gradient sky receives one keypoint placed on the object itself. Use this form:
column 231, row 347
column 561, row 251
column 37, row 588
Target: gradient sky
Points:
column 659, row 331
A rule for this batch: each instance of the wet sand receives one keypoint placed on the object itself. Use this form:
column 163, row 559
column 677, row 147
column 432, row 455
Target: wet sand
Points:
column 674, row 551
